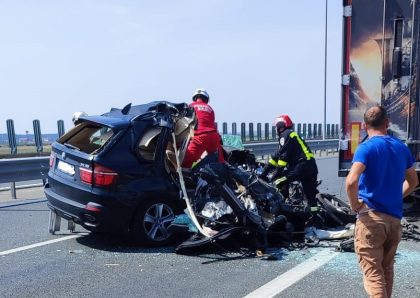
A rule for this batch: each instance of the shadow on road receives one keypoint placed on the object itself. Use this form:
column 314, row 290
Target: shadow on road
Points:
column 118, row 243
column 123, row 244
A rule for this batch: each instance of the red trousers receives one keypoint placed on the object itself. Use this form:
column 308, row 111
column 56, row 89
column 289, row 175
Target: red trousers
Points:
column 209, row 142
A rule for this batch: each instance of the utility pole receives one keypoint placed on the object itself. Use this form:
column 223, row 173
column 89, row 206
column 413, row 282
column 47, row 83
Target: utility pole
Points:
column 324, row 132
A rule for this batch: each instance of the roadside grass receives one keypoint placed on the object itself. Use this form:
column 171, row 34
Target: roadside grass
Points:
column 24, row 151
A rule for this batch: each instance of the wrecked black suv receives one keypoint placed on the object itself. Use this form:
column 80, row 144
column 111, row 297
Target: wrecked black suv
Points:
column 117, row 172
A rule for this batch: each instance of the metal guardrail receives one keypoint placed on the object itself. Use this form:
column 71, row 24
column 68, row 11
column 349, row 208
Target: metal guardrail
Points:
column 253, row 132
column 267, row 148
column 259, row 139
column 23, row 169
column 33, row 168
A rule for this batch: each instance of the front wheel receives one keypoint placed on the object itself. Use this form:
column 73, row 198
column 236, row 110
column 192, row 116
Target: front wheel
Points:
column 151, row 222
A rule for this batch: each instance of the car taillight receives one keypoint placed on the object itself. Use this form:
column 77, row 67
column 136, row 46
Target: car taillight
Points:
column 86, row 175
column 52, row 159
column 100, row 176
column 103, row 176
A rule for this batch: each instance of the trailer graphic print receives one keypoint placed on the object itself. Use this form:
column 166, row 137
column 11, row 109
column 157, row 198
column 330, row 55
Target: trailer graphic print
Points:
column 380, row 62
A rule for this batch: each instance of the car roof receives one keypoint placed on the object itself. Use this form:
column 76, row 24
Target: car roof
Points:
column 117, row 118
column 111, row 122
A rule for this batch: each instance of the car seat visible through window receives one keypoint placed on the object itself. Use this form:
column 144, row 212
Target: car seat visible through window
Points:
column 147, row 144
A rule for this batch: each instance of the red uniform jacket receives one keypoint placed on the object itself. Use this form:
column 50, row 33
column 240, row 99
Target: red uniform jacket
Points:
column 205, row 117
column 206, row 137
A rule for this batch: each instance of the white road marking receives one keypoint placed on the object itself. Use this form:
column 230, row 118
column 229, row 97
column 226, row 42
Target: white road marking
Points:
column 282, row 282
column 10, row 251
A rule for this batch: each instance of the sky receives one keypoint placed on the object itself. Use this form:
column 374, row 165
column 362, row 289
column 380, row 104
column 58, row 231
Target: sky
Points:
column 257, row 59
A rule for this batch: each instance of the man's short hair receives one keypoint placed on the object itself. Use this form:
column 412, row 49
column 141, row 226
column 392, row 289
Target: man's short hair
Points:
column 375, row 116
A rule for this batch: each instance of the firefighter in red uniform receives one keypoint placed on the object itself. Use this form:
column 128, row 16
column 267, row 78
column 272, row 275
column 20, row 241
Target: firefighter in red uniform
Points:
column 295, row 155
column 206, row 138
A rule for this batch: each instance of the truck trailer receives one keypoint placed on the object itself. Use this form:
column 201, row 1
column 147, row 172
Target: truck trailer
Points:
column 381, row 52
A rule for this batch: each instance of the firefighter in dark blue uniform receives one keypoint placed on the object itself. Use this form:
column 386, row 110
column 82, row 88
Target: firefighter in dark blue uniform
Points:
column 295, row 156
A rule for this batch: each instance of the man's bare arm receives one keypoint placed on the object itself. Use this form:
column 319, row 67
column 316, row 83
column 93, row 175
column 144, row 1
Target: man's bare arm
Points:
column 352, row 185
column 411, row 181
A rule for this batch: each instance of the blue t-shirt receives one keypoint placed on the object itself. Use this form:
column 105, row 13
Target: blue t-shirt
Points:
column 380, row 185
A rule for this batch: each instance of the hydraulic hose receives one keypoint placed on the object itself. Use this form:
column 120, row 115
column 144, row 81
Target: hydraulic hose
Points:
column 184, row 191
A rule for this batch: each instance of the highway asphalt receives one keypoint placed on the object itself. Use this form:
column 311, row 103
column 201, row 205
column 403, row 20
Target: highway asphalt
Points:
column 34, row 263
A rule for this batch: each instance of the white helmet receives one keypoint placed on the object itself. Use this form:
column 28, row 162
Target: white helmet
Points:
column 77, row 115
column 202, row 92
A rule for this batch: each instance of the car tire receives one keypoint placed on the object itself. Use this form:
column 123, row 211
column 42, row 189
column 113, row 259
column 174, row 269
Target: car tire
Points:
column 151, row 222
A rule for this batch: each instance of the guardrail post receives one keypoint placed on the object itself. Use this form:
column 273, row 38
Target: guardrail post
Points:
column 273, row 132
column 315, row 131
column 259, row 132
column 332, row 131
column 11, row 136
column 13, row 190
column 215, row 124
column 304, row 131
column 299, row 129
column 266, row 131
column 60, row 126
column 234, row 128
column 328, row 136
column 224, row 127
column 251, row 131
column 336, row 132
column 319, row 130
column 243, row 133
column 309, row 136
column 38, row 136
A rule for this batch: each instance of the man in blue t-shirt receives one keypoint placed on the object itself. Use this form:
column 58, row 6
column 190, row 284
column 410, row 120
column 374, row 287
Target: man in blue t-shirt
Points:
column 381, row 175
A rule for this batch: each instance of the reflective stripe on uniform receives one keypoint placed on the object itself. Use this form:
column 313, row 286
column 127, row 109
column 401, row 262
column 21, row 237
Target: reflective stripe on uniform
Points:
column 282, row 163
column 279, row 180
column 305, row 149
column 272, row 162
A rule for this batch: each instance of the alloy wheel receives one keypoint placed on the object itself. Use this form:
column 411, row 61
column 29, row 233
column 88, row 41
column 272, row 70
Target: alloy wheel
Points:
column 156, row 221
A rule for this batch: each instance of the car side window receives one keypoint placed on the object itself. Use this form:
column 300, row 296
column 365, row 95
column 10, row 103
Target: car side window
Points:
column 147, row 145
